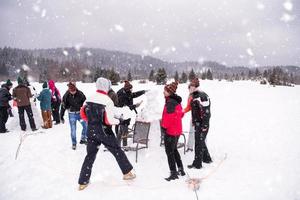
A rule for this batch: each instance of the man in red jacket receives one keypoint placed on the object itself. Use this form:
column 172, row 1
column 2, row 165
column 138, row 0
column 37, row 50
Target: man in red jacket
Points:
column 171, row 125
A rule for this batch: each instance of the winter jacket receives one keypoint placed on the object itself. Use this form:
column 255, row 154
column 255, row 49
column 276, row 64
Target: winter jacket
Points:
column 200, row 105
column 172, row 115
column 5, row 96
column 125, row 98
column 98, row 110
column 55, row 98
column 45, row 99
column 22, row 95
column 71, row 102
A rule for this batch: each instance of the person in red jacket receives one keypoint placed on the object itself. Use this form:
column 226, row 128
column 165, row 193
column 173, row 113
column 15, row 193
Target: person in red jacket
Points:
column 171, row 125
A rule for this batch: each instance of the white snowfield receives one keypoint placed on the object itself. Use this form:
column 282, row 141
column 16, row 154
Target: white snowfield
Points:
column 257, row 126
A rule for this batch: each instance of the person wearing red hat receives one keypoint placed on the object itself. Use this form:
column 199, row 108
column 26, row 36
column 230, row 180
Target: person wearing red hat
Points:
column 199, row 104
column 125, row 98
column 171, row 126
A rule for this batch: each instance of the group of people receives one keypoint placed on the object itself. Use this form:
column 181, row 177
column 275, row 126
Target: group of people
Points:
column 105, row 108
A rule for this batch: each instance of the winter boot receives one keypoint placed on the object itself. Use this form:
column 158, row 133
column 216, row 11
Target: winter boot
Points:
column 82, row 187
column 83, row 142
column 129, row 176
column 192, row 166
column 181, row 172
column 74, row 146
column 172, row 176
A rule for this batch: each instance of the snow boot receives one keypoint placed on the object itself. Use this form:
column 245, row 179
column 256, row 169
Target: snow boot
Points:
column 192, row 166
column 172, row 176
column 82, row 187
column 129, row 176
column 83, row 142
column 181, row 172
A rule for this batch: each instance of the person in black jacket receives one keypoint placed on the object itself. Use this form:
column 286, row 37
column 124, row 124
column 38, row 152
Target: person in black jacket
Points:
column 5, row 97
column 200, row 105
column 72, row 101
column 125, row 98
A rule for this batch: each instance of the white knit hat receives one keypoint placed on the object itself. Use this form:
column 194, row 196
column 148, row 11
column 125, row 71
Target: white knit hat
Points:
column 103, row 84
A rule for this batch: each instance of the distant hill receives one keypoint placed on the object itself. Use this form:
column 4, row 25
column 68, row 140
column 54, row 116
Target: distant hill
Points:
column 80, row 61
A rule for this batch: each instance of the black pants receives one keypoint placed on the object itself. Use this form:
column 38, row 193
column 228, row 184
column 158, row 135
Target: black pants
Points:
column 55, row 112
column 3, row 118
column 201, row 151
column 110, row 142
column 172, row 152
column 22, row 118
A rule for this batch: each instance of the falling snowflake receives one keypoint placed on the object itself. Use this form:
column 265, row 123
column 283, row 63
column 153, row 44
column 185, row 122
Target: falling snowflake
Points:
column 250, row 52
column 78, row 46
column 119, row 28
column 155, row 50
column 65, row 53
column 287, row 17
column 88, row 53
column 44, row 12
column 86, row 12
column 25, row 67
column 260, row 6
column 288, row 5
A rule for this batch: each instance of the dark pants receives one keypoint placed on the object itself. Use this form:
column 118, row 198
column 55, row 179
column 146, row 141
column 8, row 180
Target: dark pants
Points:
column 55, row 112
column 3, row 118
column 201, row 151
column 172, row 152
column 110, row 142
column 22, row 118
column 122, row 130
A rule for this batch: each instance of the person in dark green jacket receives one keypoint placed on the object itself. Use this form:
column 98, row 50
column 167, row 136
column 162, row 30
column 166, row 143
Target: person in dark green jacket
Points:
column 45, row 104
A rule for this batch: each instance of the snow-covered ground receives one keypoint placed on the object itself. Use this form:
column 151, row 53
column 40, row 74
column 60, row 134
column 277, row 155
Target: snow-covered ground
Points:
column 257, row 126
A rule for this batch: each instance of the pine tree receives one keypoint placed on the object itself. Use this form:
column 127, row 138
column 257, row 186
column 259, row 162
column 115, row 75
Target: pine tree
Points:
column 161, row 76
column 151, row 75
column 113, row 76
column 192, row 75
column 176, row 77
column 204, row 75
column 183, row 78
column 129, row 77
column 3, row 70
column 209, row 75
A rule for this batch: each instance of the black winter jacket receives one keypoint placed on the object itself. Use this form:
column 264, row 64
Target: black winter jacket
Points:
column 5, row 96
column 72, row 102
column 200, row 109
column 125, row 98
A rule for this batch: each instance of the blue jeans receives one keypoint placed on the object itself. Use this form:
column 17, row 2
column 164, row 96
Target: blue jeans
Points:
column 73, row 118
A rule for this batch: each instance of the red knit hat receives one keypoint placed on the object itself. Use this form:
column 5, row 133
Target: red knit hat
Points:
column 127, row 85
column 171, row 88
column 195, row 82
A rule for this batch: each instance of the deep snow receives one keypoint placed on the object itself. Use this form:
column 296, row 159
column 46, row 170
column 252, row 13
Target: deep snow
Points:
column 257, row 126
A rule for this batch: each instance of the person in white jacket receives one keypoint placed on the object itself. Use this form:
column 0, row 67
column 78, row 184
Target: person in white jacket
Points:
column 99, row 112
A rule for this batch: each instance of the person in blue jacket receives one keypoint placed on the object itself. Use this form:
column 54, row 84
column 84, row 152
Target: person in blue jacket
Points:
column 45, row 104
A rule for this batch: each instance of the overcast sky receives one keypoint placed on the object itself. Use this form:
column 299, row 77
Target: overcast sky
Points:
column 232, row 32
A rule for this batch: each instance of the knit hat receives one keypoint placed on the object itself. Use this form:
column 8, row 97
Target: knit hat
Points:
column 103, row 84
column 195, row 82
column 171, row 88
column 127, row 85
column 8, row 83
column 72, row 86
column 45, row 85
column 20, row 80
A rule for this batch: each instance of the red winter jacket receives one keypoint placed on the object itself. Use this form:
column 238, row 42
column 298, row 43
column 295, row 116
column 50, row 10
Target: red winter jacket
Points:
column 172, row 115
